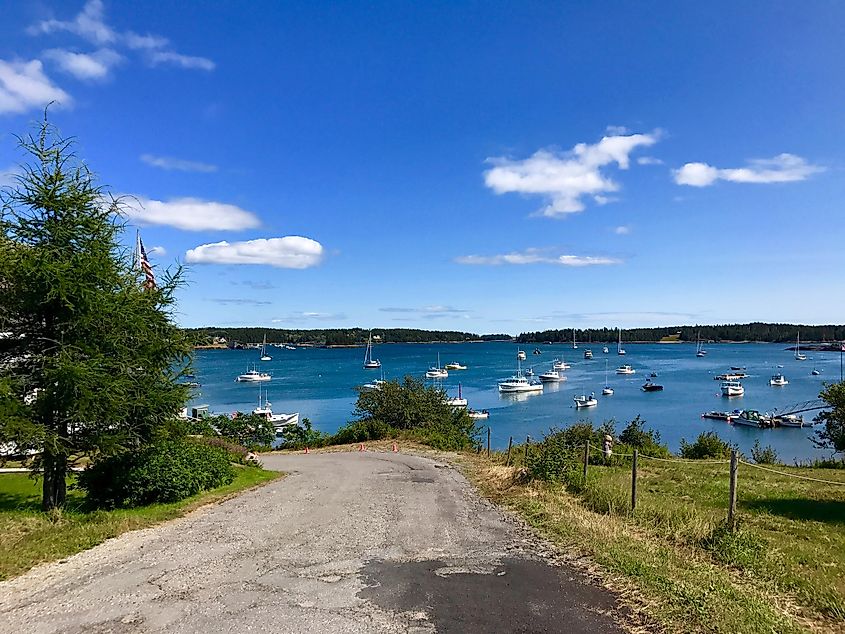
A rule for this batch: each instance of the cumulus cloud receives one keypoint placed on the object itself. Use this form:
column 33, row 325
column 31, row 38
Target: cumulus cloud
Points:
column 23, row 85
column 622, row 230
column 536, row 256
column 90, row 24
column 169, row 163
column 783, row 168
column 649, row 160
column 289, row 252
column 564, row 178
column 159, row 251
column 87, row 66
column 190, row 214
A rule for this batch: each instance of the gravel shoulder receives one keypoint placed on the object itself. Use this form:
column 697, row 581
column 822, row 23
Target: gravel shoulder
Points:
column 348, row 542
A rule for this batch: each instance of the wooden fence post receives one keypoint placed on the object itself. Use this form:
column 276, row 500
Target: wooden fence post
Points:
column 586, row 458
column 510, row 446
column 488, row 441
column 634, row 482
column 732, row 502
column 527, row 442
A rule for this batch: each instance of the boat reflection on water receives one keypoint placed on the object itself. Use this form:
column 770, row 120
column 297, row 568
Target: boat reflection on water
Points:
column 517, row 397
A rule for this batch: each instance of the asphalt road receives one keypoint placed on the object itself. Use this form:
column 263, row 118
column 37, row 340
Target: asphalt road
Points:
column 348, row 542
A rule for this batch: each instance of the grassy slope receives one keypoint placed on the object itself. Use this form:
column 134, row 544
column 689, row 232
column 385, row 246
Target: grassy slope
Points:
column 29, row 537
column 784, row 573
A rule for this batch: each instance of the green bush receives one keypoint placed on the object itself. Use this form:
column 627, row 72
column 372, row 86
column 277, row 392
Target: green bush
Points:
column 300, row 436
column 707, row 445
column 559, row 456
column 361, row 431
column 764, row 455
column 237, row 453
column 647, row 442
column 166, row 471
column 458, row 432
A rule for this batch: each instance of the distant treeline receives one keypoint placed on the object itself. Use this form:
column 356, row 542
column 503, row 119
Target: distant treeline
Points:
column 334, row 336
column 776, row 333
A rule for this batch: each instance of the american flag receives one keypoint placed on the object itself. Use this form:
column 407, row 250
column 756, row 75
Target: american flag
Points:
column 144, row 263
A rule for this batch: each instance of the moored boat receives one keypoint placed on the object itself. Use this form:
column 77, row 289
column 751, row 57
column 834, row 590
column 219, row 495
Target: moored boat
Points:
column 625, row 369
column 520, row 355
column 455, row 366
column 732, row 388
column 253, row 376
column 458, row 401
column 552, row 376
column 585, row 401
column 560, row 365
column 778, row 380
column 749, row 418
column 479, row 414
column 730, row 376
column 518, row 383
column 649, row 386
column 436, row 372
column 726, row 416
column 369, row 362
column 588, row 354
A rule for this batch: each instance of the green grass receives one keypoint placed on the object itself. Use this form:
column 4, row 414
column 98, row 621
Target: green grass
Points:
column 29, row 537
column 783, row 571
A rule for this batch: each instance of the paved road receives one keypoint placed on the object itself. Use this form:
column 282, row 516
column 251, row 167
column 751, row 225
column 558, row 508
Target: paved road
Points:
column 348, row 542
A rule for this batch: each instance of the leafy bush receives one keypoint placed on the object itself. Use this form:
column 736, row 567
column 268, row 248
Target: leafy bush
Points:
column 707, row 445
column 166, row 471
column 250, row 430
column 764, row 455
column 560, row 453
column 645, row 441
column 304, row 435
column 237, row 453
column 361, row 431
column 456, row 433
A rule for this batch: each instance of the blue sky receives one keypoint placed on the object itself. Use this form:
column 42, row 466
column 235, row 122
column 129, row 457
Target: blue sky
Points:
column 493, row 167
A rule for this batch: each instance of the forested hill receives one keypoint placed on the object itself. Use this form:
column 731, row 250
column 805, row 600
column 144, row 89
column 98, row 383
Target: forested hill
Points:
column 777, row 333
column 335, row 336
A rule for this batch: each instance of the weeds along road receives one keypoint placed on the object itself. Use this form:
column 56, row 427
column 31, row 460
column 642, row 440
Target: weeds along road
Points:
column 348, row 542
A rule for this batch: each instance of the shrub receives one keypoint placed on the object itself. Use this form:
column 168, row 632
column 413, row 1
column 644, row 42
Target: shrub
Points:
column 299, row 436
column 237, row 453
column 361, row 431
column 166, row 471
column 645, row 441
column 250, row 430
column 558, row 456
column 456, row 433
column 707, row 445
column 764, row 455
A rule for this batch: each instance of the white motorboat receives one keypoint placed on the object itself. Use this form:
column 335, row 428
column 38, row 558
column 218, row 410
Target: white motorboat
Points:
column 518, row 383
column 264, row 355
column 798, row 355
column 552, row 376
column 732, row 388
column 520, row 354
column 436, row 372
column 748, row 418
column 560, row 365
column 778, row 380
column 586, row 401
column 625, row 369
column 790, row 420
column 479, row 415
column 375, row 385
column 253, row 376
column 588, row 354
column 265, row 409
column 605, row 350
column 619, row 349
column 369, row 362
column 457, row 401
column 455, row 366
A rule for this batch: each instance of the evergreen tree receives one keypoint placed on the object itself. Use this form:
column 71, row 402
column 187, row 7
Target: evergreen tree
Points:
column 88, row 357
column 832, row 434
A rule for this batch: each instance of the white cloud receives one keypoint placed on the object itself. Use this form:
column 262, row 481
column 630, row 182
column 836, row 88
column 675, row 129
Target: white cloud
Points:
column 308, row 316
column 158, row 251
column 23, row 85
column 783, row 168
column 289, row 252
column 190, row 214
column 90, row 25
column 183, row 61
column 536, row 256
column 94, row 65
column 564, row 178
column 426, row 310
column 649, row 160
column 181, row 165
column 622, row 230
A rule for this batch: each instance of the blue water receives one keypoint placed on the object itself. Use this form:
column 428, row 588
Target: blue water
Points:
column 319, row 384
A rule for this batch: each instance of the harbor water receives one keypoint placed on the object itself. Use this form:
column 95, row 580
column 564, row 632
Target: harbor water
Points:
column 319, row 383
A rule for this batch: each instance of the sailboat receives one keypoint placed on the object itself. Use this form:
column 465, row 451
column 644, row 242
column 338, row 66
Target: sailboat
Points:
column 619, row 349
column 798, row 355
column 264, row 355
column 369, row 362
column 699, row 350
column 437, row 372
column 607, row 390
column 574, row 345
